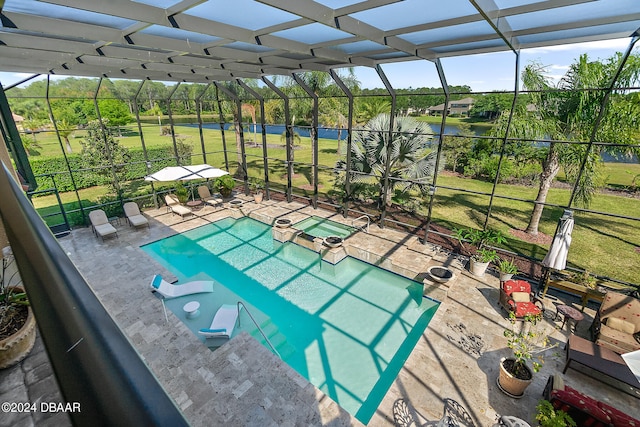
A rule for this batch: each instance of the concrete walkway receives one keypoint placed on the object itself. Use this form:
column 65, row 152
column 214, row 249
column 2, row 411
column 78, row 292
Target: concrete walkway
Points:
column 242, row 383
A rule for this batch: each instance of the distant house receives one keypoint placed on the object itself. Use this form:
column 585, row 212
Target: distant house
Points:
column 18, row 121
column 460, row 107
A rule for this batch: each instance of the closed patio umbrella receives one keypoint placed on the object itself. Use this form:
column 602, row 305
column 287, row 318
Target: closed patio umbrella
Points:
column 186, row 173
column 557, row 256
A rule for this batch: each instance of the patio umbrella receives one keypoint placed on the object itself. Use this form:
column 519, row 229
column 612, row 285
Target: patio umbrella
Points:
column 633, row 361
column 557, row 256
column 186, row 173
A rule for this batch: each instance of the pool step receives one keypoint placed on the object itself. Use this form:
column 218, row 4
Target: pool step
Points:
column 277, row 339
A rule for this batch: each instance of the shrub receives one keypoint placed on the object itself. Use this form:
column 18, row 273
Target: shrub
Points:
column 224, row 185
column 45, row 168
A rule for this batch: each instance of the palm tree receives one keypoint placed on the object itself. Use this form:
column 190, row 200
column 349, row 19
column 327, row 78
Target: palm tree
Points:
column 64, row 130
column 410, row 159
column 567, row 111
column 371, row 107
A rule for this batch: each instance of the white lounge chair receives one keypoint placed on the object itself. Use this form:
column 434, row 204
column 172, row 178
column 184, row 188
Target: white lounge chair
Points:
column 100, row 224
column 173, row 204
column 167, row 290
column 134, row 217
column 206, row 197
column 222, row 326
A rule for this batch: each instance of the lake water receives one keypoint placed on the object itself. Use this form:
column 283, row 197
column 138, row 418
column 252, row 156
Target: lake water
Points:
column 322, row 132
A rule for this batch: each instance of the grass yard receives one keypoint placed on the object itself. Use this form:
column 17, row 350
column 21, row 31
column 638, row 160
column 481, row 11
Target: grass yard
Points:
column 595, row 237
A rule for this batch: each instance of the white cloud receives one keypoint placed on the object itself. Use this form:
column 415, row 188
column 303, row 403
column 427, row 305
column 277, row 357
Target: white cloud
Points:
column 558, row 67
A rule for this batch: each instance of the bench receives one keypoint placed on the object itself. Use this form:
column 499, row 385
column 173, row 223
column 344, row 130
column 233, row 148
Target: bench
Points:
column 582, row 291
column 602, row 360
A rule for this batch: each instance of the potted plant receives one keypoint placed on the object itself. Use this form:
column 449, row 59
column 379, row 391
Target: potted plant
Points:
column 583, row 278
column 17, row 323
column 507, row 269
column 182, row 193
column 525, row 342
column 548, row 416
column 256, row 187
column 480, row 239
column 224, row 185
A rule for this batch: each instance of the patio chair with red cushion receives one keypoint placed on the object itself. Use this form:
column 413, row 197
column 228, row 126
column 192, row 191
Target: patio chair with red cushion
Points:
column 516, row 297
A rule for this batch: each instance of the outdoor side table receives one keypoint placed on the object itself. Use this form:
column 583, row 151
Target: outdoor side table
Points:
column 194, row 204
column 509, row 421
column 569, row 312
column 191, row 308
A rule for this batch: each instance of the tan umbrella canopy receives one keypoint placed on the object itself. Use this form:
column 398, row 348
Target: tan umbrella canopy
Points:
column 186, row 173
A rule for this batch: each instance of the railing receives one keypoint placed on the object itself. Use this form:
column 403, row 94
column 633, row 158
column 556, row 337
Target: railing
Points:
column 94, row 363
column 240, row 303
column 353, row 222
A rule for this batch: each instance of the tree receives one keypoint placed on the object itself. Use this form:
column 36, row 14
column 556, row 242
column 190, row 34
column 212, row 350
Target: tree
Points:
column 64, row 130
column 156, row 111
column 368, row 108
column 104, row 153
column 409, row 158
column 30, row 145
column 567, row 111
column 491, row 104
column 455, row 147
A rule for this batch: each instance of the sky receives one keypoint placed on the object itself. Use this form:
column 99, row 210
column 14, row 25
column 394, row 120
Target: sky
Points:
column 483, row 73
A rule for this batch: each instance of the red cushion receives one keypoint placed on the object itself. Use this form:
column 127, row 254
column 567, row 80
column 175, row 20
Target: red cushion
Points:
column 583, row 403
column 619, row 418
column 516, row 286
column 524, row 308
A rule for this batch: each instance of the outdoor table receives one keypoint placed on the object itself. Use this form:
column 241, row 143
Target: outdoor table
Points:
column 510, row 421
column 191, row 308
column 569, row 312
column 194, row 204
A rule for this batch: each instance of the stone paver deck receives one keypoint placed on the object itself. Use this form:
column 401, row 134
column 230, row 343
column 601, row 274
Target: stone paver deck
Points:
column 242, row 383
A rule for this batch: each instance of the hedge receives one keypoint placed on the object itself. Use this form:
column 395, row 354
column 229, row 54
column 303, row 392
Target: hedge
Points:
column 136, row 169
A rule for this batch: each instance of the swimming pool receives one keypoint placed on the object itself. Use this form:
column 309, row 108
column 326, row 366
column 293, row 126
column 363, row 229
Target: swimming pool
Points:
column 321, row 227
column 348, row 328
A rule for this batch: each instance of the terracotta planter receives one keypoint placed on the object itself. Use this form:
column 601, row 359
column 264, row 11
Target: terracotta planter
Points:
column 509, row 384
column 478, row 268
column 16, row 347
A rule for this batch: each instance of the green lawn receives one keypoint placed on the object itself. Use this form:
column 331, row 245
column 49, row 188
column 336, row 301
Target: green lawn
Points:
column 595, row 237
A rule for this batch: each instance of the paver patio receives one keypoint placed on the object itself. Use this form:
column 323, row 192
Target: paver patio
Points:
column 242, row 383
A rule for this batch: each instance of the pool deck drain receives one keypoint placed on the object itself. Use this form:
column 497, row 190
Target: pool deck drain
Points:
column 242, row 383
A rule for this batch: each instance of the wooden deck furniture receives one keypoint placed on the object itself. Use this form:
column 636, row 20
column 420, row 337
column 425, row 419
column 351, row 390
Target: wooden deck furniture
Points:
column 582, row 291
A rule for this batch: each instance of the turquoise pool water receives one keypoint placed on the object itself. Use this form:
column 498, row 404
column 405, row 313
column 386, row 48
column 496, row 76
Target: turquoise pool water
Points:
column 348, row 328
column 322, row 227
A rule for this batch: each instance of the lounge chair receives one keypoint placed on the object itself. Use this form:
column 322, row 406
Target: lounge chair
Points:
column 134, row 217
column 206, row 197
column 100, row 224
column 173, row 204
column 167, row 290
column 222, row 326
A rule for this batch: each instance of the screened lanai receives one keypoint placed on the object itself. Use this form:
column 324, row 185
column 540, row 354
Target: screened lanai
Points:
column 231, row 61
